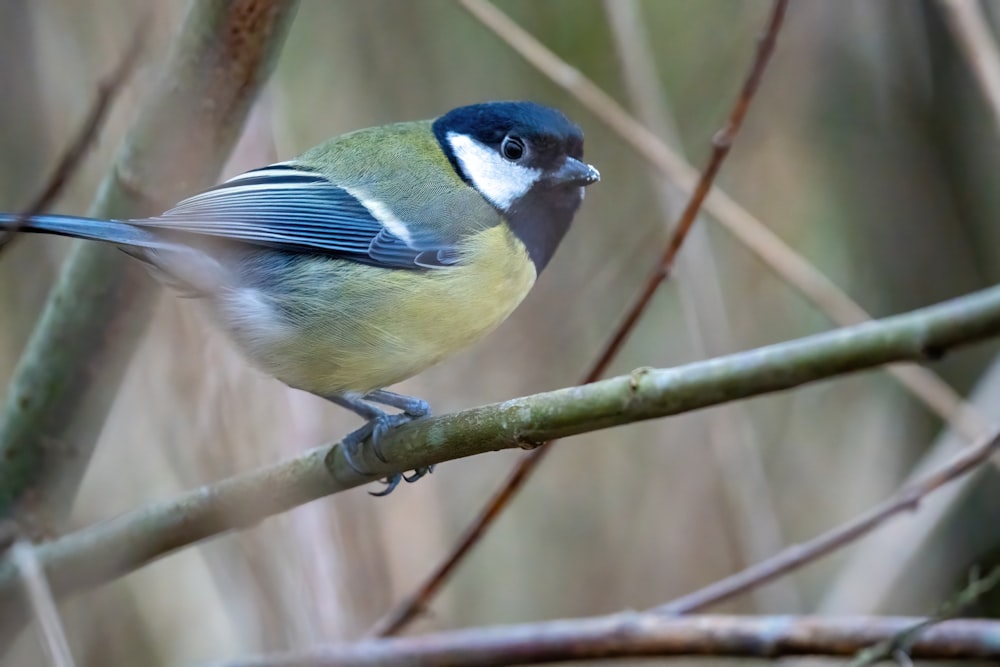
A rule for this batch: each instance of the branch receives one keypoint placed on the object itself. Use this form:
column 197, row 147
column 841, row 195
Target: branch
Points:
column 971, row 29
column 43, row 604
column 881, row 565
column 107, row 91
column 791, row 558
column 110, row 549
column 721, row 144
column 647, row 635
column 69, row 374
column 728, row 431
column 901, row 643
column 417, row 602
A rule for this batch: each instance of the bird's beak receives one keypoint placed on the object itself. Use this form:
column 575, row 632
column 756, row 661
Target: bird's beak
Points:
column 575, row 172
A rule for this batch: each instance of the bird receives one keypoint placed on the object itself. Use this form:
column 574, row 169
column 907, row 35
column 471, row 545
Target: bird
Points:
column 371, row 256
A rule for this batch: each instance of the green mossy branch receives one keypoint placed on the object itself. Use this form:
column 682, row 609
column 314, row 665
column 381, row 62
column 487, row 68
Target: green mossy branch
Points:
column 113, row 548
column 69, row 375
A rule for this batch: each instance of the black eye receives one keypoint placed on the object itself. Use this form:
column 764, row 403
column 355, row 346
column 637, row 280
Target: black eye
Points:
column 512, row 148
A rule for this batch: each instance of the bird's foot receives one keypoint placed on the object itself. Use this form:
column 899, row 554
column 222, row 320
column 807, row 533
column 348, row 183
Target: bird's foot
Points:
column 379, row 424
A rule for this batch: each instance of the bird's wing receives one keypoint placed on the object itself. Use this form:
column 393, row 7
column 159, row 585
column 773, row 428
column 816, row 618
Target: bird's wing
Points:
column 290, row 207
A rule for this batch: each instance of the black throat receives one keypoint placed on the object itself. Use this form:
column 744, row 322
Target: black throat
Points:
column 541, row 218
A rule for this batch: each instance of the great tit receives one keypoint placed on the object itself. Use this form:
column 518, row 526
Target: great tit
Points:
column 372, row 256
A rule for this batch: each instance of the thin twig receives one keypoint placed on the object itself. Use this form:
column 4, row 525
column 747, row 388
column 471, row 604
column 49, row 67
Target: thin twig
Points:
column 721, row 144
column 794, row 557
column 790, row 266
column 729, row 431
column 42, row 603
column 415, row 604
column 883, row 563
column 647, row 635
column 898, row 646
column 971, row 30
column 108, row 90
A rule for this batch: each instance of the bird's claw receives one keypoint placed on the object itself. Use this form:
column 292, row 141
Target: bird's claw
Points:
column 376, row 429
column 351, row 446
column 418, row 473
column 392, row 481
column 381, row 425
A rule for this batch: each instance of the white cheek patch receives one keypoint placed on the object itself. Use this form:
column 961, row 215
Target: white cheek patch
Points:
column 500, row 181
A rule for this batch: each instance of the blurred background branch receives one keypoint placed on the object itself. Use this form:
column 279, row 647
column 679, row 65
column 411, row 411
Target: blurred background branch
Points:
column 42, row 604
column 107, row 90
column 69, row 375
column 729, row 431
column 906, row 499
column 648, row 635
column 972, row 32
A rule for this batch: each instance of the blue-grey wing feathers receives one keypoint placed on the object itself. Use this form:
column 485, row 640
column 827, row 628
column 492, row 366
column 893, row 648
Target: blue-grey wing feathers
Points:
column 289, row 207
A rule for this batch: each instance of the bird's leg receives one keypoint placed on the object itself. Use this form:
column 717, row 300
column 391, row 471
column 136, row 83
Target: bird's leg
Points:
column 410, row 405
column 413, row 408
column 378, row 423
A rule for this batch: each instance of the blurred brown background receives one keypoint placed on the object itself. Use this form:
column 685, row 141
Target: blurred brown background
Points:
column 868, row 149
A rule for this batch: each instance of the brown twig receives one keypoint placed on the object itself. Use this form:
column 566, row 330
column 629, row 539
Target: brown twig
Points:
column 795, row 556
column 108, row 90
column 648, row 635
column 722, row 142
column 729, row 431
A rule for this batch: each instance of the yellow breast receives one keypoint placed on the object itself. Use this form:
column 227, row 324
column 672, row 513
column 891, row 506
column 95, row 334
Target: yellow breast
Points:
column 373, row 327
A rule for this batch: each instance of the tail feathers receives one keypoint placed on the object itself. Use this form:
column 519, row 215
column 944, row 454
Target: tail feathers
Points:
column 109, row 231
column 177, row 265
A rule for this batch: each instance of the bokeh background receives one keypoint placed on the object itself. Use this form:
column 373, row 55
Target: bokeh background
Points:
column 869, row 149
